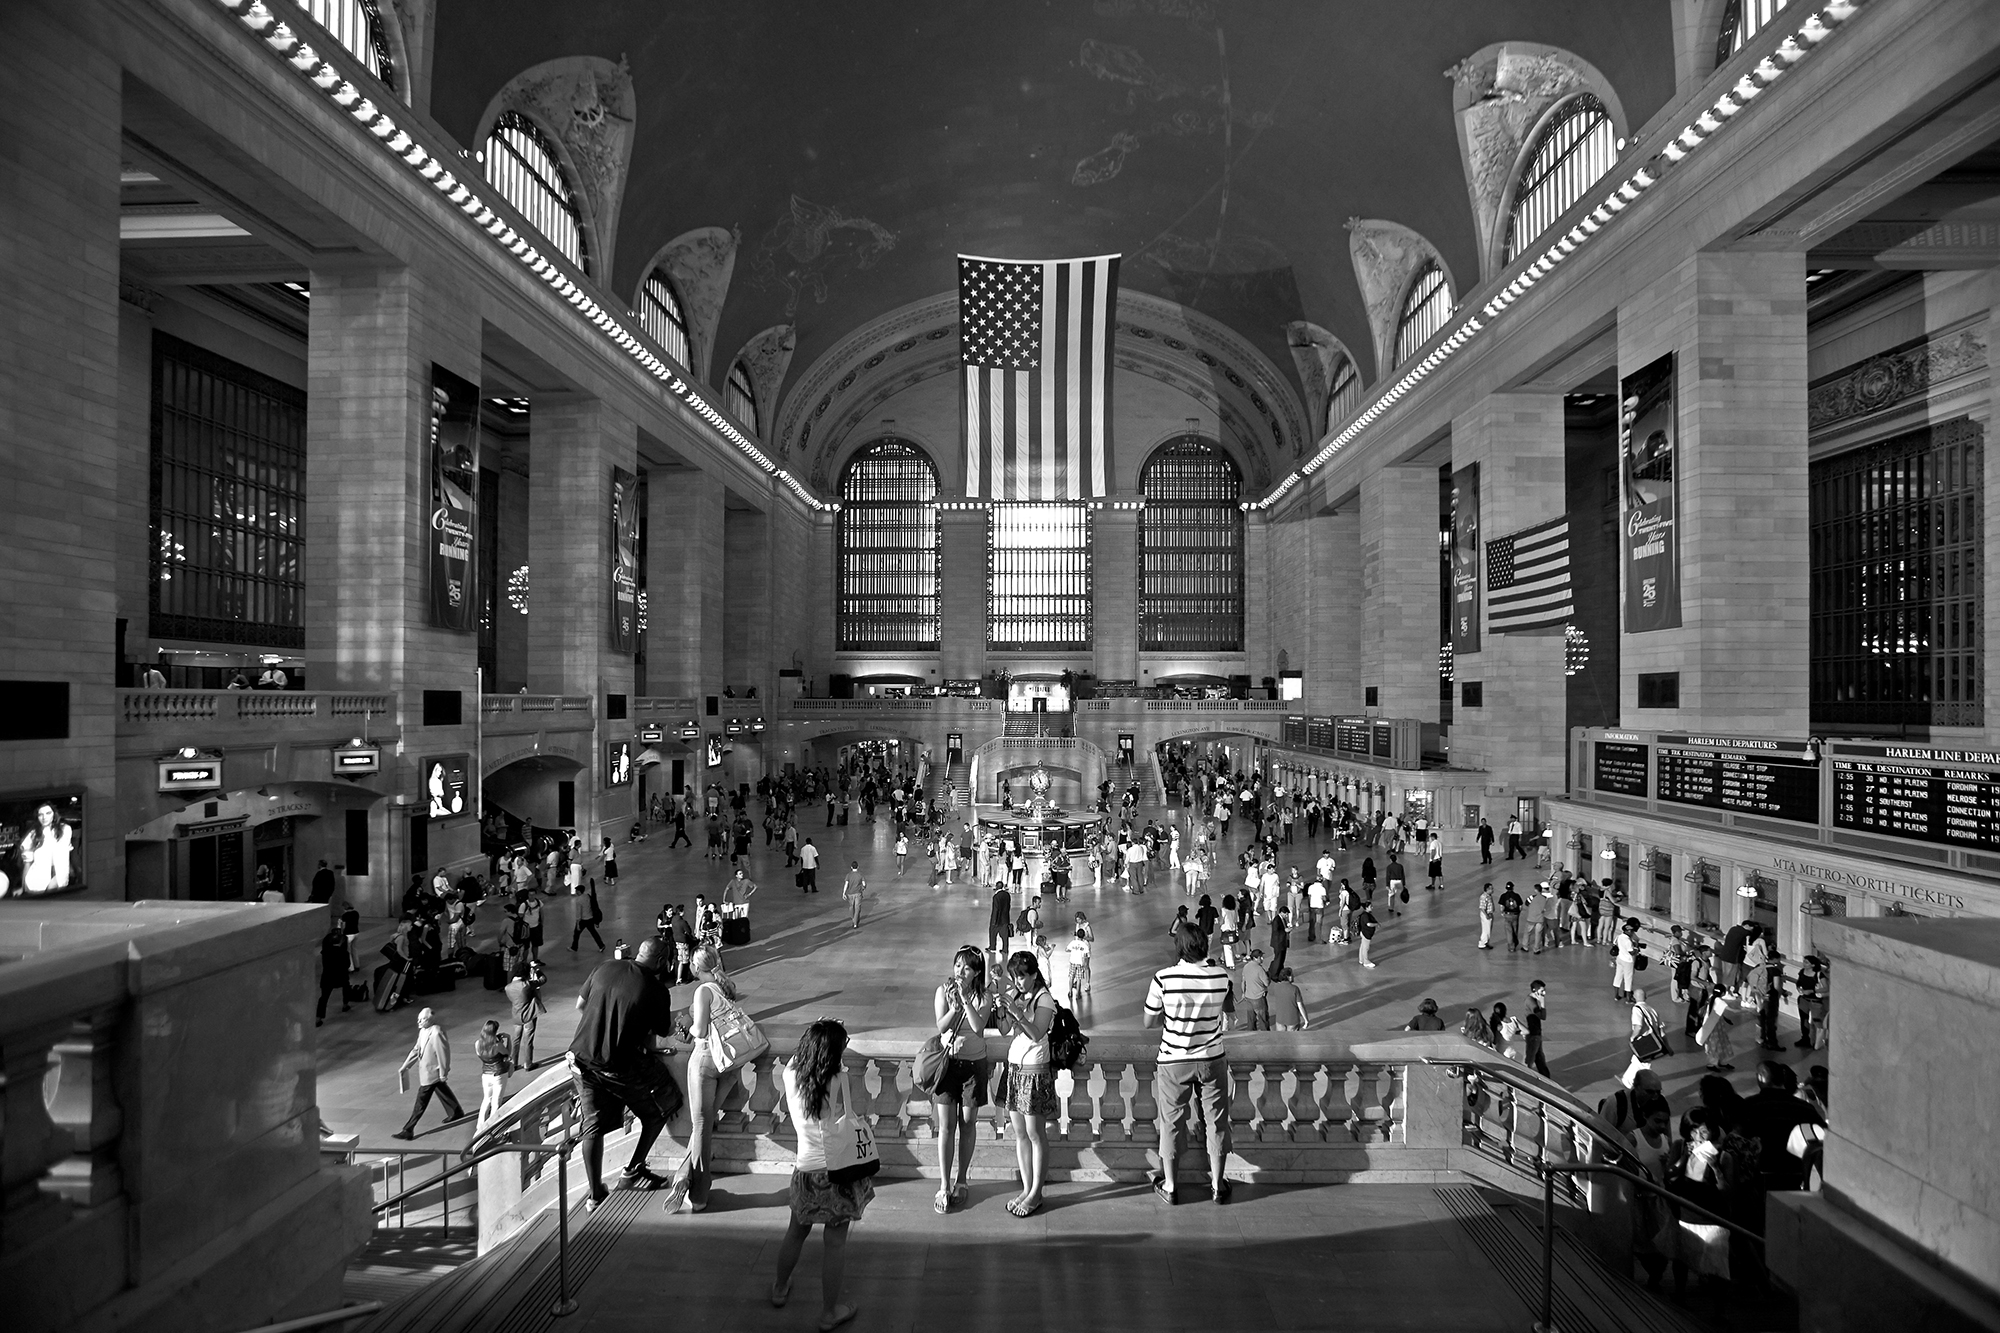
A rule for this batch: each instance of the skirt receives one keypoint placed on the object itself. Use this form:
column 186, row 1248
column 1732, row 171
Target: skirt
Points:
column 1031, row 1090
column 816, row 1200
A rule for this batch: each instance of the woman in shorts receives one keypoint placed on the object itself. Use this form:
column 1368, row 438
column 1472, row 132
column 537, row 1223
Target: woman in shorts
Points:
column 816, row 1091
column 1029, row 1012
column 963, row 1011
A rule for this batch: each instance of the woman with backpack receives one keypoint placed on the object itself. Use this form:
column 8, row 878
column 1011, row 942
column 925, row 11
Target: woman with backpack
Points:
column 1028, row 1013
column 816, row 1093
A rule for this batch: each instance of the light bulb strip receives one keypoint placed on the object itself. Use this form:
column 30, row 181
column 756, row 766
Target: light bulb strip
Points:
column 1511, row 286
column 337, row 88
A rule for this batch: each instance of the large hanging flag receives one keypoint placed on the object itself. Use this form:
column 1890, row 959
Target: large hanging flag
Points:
column 1527, row 578
column 1035, row 340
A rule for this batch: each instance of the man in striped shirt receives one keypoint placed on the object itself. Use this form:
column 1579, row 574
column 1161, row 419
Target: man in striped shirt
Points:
column 1186, row 1000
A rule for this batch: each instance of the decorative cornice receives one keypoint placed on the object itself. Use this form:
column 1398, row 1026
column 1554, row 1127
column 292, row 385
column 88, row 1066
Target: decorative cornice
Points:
column 1895, row 376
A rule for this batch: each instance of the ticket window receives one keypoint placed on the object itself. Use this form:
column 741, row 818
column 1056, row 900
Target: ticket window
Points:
column 1618, row 870
column 1708, row 895
column 1763, row 909
column 1660, row 885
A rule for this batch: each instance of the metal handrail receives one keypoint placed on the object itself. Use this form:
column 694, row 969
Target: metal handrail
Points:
column 320, row 1320
column 1548, row 1171
column 465, row 1163
column 1503, row 1072
column 564, row 1304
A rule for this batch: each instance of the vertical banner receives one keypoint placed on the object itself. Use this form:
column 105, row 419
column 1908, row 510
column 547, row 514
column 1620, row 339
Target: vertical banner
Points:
column 454, row 466
column 1465, row 550
column 1648, row 440
column 624, row 561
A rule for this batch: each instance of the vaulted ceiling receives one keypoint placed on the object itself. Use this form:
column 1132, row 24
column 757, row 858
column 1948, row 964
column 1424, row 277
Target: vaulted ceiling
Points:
column 859, row 147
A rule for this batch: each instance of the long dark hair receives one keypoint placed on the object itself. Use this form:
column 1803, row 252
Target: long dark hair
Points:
column 816, row 1061
column 975, row 960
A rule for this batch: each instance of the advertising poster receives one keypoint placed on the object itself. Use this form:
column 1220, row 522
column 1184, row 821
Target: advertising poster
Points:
column 617, row 763
column 624, row 561
column 454, row 529
column 445, row 791
column 1465, row 560
column 41, row 844
column 1648, row 440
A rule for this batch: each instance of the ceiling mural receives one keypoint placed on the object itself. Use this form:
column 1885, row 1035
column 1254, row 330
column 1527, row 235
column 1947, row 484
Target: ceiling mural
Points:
column 860, row 148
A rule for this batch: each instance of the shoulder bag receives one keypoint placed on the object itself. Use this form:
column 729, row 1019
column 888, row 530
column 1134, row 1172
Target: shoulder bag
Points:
column 1651, row 1043
column 850, row 1141
column 734, row 1039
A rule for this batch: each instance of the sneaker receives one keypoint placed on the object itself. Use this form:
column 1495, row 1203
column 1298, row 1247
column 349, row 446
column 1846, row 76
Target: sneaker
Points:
column 640, row 1179
column 594, row 1202
column 1368, row 965
column 403, row 1134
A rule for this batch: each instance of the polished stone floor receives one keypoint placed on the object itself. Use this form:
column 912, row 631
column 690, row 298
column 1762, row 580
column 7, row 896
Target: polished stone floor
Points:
column 805, row 962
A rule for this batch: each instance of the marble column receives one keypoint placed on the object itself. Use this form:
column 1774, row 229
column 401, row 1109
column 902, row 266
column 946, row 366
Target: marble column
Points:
column 684, row 583
column 1399, row 584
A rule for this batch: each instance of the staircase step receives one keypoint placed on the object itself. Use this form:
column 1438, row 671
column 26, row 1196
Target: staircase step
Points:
column 1587, row 1296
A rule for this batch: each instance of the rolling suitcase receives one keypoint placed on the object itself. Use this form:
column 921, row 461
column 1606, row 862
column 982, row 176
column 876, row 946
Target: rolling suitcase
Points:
column 388, row 986
column 493, row 968
column 736, row 930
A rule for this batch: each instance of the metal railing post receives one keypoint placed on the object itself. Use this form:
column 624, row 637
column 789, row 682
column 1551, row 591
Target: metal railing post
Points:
column 1548, row 1324
column 564, row 1305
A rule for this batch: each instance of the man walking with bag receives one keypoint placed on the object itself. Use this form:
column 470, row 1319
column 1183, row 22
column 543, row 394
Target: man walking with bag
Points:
column 432, row 1057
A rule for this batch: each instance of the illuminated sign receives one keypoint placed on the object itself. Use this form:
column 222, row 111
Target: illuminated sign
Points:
column 690, row 731
column 652, row 735
column 445, row 786
column 354, row 760
column 617, row 763
column 189, row 770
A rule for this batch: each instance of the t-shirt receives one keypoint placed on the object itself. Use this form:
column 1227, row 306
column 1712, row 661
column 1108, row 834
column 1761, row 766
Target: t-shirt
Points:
column 623, row 1007
column 1286, row 1009
column 1256, row 981
column 1026, row 1050
column 1188, row 997
column 1316, row 895
column 809, row 857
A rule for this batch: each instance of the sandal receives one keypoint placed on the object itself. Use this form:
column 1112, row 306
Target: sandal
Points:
column 841, row 1314
column 1024, row 1210
column 1162, row 1193
column 961, row 1192
column 942, row 1204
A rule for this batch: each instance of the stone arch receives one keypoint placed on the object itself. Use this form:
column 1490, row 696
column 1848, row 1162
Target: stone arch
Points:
column 1387, row 258
column 584, row 106
column 766, row 357
column 700, row 264
column 1317, row 354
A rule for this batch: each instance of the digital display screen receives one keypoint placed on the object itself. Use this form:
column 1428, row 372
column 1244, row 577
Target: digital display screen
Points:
column 41, row 844
column 1773, row 779
column 1921, row 794
column 1619, row 768
column 1320, row 732
column 445, row 786
column 190, row 775
column 1385, row 740
column 1350, row 734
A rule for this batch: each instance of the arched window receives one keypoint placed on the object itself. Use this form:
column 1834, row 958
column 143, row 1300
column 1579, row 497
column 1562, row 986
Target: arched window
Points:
column 1578, row 145
column 661, row 316
column 739, row 398
column 888, row 539
column 1425, row 309
column 1742, row 20
column 356, row 25
column 1345, row 399
column 1191, row 550
column 522, row 164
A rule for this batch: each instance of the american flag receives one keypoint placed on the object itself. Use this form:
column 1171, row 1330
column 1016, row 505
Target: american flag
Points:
column 1527, row 578
column 1036, row 345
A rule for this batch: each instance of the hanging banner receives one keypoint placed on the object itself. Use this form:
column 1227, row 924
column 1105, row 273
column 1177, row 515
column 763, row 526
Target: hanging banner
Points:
column 1465, row 550
column 624, row 561
column 454, row 462
column 1648, row 439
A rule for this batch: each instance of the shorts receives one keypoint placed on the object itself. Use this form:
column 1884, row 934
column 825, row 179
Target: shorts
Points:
column 1031, row 1090
column 817, row 1200
column 964, row 1081
column 647, row 1090
column 1175, row 1084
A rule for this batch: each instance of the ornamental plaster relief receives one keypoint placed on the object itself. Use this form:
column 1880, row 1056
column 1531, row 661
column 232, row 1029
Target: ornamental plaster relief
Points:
column 700, row 264
column 1315, row 353
column 1895, row 376
column 1386, row 257
column 586, row 102
column 767, row 356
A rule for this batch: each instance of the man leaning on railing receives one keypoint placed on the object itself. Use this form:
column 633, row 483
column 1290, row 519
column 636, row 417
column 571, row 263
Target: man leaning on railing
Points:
column 625, row 1008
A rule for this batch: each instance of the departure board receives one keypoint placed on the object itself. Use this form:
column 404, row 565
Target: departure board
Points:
column 1350, row 734
column 1319, row 732
column 1942, row 796
column 1385, row 741
column 1619, row 768
column 1751, row 776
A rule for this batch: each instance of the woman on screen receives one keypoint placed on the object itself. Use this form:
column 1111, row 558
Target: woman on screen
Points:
column 45, row 853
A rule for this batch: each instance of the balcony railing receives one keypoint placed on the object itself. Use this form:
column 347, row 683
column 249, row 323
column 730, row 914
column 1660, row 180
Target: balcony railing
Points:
column 141, row 708
column 492, row 705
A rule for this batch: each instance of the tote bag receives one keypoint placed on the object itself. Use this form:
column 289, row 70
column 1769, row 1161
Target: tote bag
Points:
column 734, row 1039
column 850, row 1142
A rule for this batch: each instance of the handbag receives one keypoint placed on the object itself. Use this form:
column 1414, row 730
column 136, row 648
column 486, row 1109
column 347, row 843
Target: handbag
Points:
column 734, row 1039
column 930, row 1064
column 850, row 1142
column 1651, row 1044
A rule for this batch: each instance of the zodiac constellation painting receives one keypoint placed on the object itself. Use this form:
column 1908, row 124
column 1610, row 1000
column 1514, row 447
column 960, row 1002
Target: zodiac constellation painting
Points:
column 808, row 243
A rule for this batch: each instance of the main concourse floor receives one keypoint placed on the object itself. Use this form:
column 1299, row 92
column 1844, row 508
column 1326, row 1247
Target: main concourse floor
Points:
column 804, row 962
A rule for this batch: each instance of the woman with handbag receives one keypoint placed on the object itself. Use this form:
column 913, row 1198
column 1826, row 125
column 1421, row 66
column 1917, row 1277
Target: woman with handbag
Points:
column 963, row 1011
column 816, row 1095
column 725, row 1040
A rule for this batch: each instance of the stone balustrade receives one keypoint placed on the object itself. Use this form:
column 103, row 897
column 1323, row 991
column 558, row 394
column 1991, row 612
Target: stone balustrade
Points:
column 243, row 710
column 510, row 714
column 158, row 1131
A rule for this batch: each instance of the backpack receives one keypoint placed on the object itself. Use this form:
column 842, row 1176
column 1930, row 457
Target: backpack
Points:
column 1066, row 1040
column 1021, row 924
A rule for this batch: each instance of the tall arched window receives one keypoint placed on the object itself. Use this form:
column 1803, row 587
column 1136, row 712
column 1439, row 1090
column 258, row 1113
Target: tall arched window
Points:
column 522, row 164
column 1425, row 309
column 740, row 398
column 1742, row 20
column 661, row 316
column 1578, row 145
column 356, row 25
column 1191, row 550
column 888, row 539
column 1345, row 400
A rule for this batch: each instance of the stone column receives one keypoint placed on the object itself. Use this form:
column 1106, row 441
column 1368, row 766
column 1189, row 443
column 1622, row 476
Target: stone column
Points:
column 1736, row 323
column 59, row 405
column 1517, row 734
column 1311, row 568
column 1686, row 895
column 1114, row 593
column 374, row 335
column 746, row 599
column 684, row 586
column 1399, row 589
column 962, row 594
